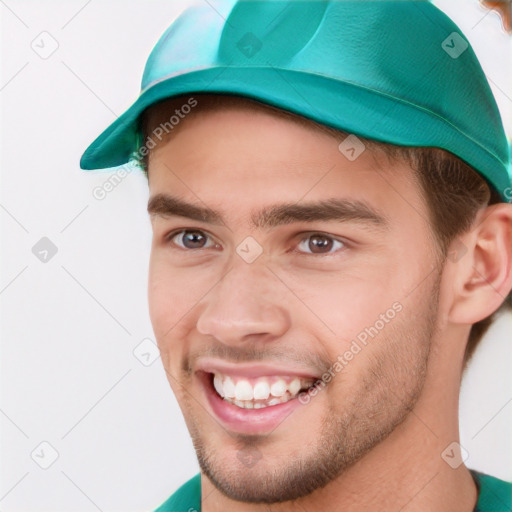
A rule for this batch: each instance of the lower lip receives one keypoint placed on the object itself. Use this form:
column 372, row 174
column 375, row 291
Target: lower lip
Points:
column 246, row 421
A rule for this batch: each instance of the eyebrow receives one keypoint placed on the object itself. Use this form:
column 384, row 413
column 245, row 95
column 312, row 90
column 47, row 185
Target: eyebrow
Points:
column 333, row 209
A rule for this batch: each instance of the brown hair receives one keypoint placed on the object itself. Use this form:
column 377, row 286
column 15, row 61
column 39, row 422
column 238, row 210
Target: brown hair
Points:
column 453, row 190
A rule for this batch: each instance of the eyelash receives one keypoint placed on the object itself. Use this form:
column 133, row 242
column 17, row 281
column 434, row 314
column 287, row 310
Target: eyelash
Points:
column 172, row 235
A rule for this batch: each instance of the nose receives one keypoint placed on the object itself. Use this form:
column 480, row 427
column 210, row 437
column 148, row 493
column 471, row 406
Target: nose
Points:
column 245, row 303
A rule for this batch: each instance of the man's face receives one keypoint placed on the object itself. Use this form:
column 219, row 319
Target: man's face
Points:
column 359, row 290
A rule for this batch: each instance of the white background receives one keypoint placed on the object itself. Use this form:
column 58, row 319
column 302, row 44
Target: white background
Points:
column 69, row 326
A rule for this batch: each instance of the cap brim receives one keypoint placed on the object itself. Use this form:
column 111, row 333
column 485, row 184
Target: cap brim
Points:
column 343, row 105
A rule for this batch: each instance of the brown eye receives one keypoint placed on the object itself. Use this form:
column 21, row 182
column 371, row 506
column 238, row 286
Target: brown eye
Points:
column 320, row 244
column 190, row 239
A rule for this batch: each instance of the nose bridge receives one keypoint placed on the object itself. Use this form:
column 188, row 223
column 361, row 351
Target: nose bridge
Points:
column 244, row 302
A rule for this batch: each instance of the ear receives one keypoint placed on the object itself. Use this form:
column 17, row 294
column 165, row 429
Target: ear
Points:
column 482, row 278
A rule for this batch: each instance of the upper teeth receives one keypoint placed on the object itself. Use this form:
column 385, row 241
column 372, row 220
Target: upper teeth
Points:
column 261, row 388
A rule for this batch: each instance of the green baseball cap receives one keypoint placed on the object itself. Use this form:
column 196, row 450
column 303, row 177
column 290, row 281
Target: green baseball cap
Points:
column 399, row 72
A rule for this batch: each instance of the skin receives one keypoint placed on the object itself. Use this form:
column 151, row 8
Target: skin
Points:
column 372, row 439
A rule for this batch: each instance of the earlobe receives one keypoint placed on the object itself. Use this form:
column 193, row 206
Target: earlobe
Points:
column 483, row 276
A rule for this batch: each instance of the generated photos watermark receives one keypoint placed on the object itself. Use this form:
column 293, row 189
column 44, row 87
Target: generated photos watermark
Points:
column 356, row 345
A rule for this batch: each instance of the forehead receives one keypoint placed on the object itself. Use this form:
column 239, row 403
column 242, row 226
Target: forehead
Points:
column 236, row 154
column 160, row 113
column 226, row 126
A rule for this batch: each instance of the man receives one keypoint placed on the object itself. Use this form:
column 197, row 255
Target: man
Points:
column 329, row 186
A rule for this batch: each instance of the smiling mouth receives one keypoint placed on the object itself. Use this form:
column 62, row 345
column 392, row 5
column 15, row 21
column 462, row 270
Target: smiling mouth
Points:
column 258, row 392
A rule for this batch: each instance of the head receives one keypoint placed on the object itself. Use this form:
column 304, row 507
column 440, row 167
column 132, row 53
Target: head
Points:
column 359, row 273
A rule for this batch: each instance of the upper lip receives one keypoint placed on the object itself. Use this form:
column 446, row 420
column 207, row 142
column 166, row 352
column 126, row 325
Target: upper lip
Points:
column 212, row 365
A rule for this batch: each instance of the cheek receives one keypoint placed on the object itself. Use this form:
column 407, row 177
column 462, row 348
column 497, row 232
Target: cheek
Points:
column 344, row 302
column 165, row 298
column 165, row 311
column 173, row 293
